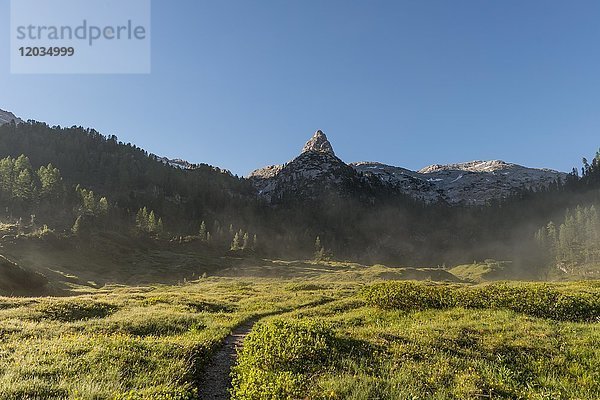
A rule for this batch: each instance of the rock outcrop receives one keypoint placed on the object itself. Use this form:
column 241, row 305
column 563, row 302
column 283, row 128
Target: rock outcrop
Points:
column 318, row 144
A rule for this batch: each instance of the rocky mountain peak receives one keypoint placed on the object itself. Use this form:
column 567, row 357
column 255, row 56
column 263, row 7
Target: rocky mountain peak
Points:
column 318, row 144
column 317, row 170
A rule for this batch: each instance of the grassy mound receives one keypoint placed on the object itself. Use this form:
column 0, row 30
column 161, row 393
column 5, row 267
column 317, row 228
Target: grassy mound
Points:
column 417, row 274
column 488, row 270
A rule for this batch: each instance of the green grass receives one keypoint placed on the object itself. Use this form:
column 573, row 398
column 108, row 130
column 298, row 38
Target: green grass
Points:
column 428, row 350
column 127, row 342
column 342, row 331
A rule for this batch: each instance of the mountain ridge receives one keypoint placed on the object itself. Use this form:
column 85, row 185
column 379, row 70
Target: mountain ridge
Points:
column 7, row 116
column 317, row 169
column 471, row 183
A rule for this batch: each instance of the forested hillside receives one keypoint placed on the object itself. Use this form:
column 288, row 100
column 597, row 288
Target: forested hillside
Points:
column 571, row 241
column 77, row 182
column 126, row 176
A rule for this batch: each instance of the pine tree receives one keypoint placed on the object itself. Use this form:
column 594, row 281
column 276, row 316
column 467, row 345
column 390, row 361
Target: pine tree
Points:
column 25, row 188
column 203, row 231
column 50, row 181
column 235, row 244
column 103, row 206
column 140, row 221
column 320, row 254
column 152, row 222
column 7, row 178
column 88, row 202
column 245, row 241
column 319, row 250
column 22, row 163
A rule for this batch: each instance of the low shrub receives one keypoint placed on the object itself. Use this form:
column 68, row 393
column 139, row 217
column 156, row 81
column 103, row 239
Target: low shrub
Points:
column 256, row 383
column 278, row 357
column 409, row 296
column 538, row 300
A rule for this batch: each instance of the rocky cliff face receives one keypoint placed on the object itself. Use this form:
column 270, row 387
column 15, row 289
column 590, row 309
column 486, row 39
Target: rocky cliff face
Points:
column 315, row 171
column 318, row 144
column 6, row 117
column 472, row 183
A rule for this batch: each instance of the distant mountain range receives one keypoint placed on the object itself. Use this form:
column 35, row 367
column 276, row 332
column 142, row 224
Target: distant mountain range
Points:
column 317, row 168
column 470, row 183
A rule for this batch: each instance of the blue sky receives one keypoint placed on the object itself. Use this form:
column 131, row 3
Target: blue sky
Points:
column 243, row 84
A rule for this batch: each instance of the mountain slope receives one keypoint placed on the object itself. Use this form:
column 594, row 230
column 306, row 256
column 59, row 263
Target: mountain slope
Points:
column 317, row 171
column 15, row 280
column 473, row 183
column 130, row 177
column 6, row 117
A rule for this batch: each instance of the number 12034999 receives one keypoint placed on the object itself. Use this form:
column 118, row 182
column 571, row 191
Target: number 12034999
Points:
column 46, row 51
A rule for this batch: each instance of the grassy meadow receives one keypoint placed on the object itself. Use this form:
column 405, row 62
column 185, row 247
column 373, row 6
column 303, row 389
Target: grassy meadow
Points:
column 325, row 331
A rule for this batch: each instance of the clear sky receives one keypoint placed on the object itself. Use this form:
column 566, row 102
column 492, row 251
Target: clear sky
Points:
column 243, row 84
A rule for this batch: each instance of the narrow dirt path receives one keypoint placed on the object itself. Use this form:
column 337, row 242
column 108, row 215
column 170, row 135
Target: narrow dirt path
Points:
column 216, row 381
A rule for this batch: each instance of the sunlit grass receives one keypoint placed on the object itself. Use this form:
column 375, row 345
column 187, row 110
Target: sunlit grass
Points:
column 322, row 338
column 424, row 353
column 127, row 342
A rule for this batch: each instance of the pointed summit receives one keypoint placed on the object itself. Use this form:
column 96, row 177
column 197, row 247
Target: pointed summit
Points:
column 318, row 144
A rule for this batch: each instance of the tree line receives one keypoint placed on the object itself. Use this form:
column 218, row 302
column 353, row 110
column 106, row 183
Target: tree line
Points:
column 63, row 175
